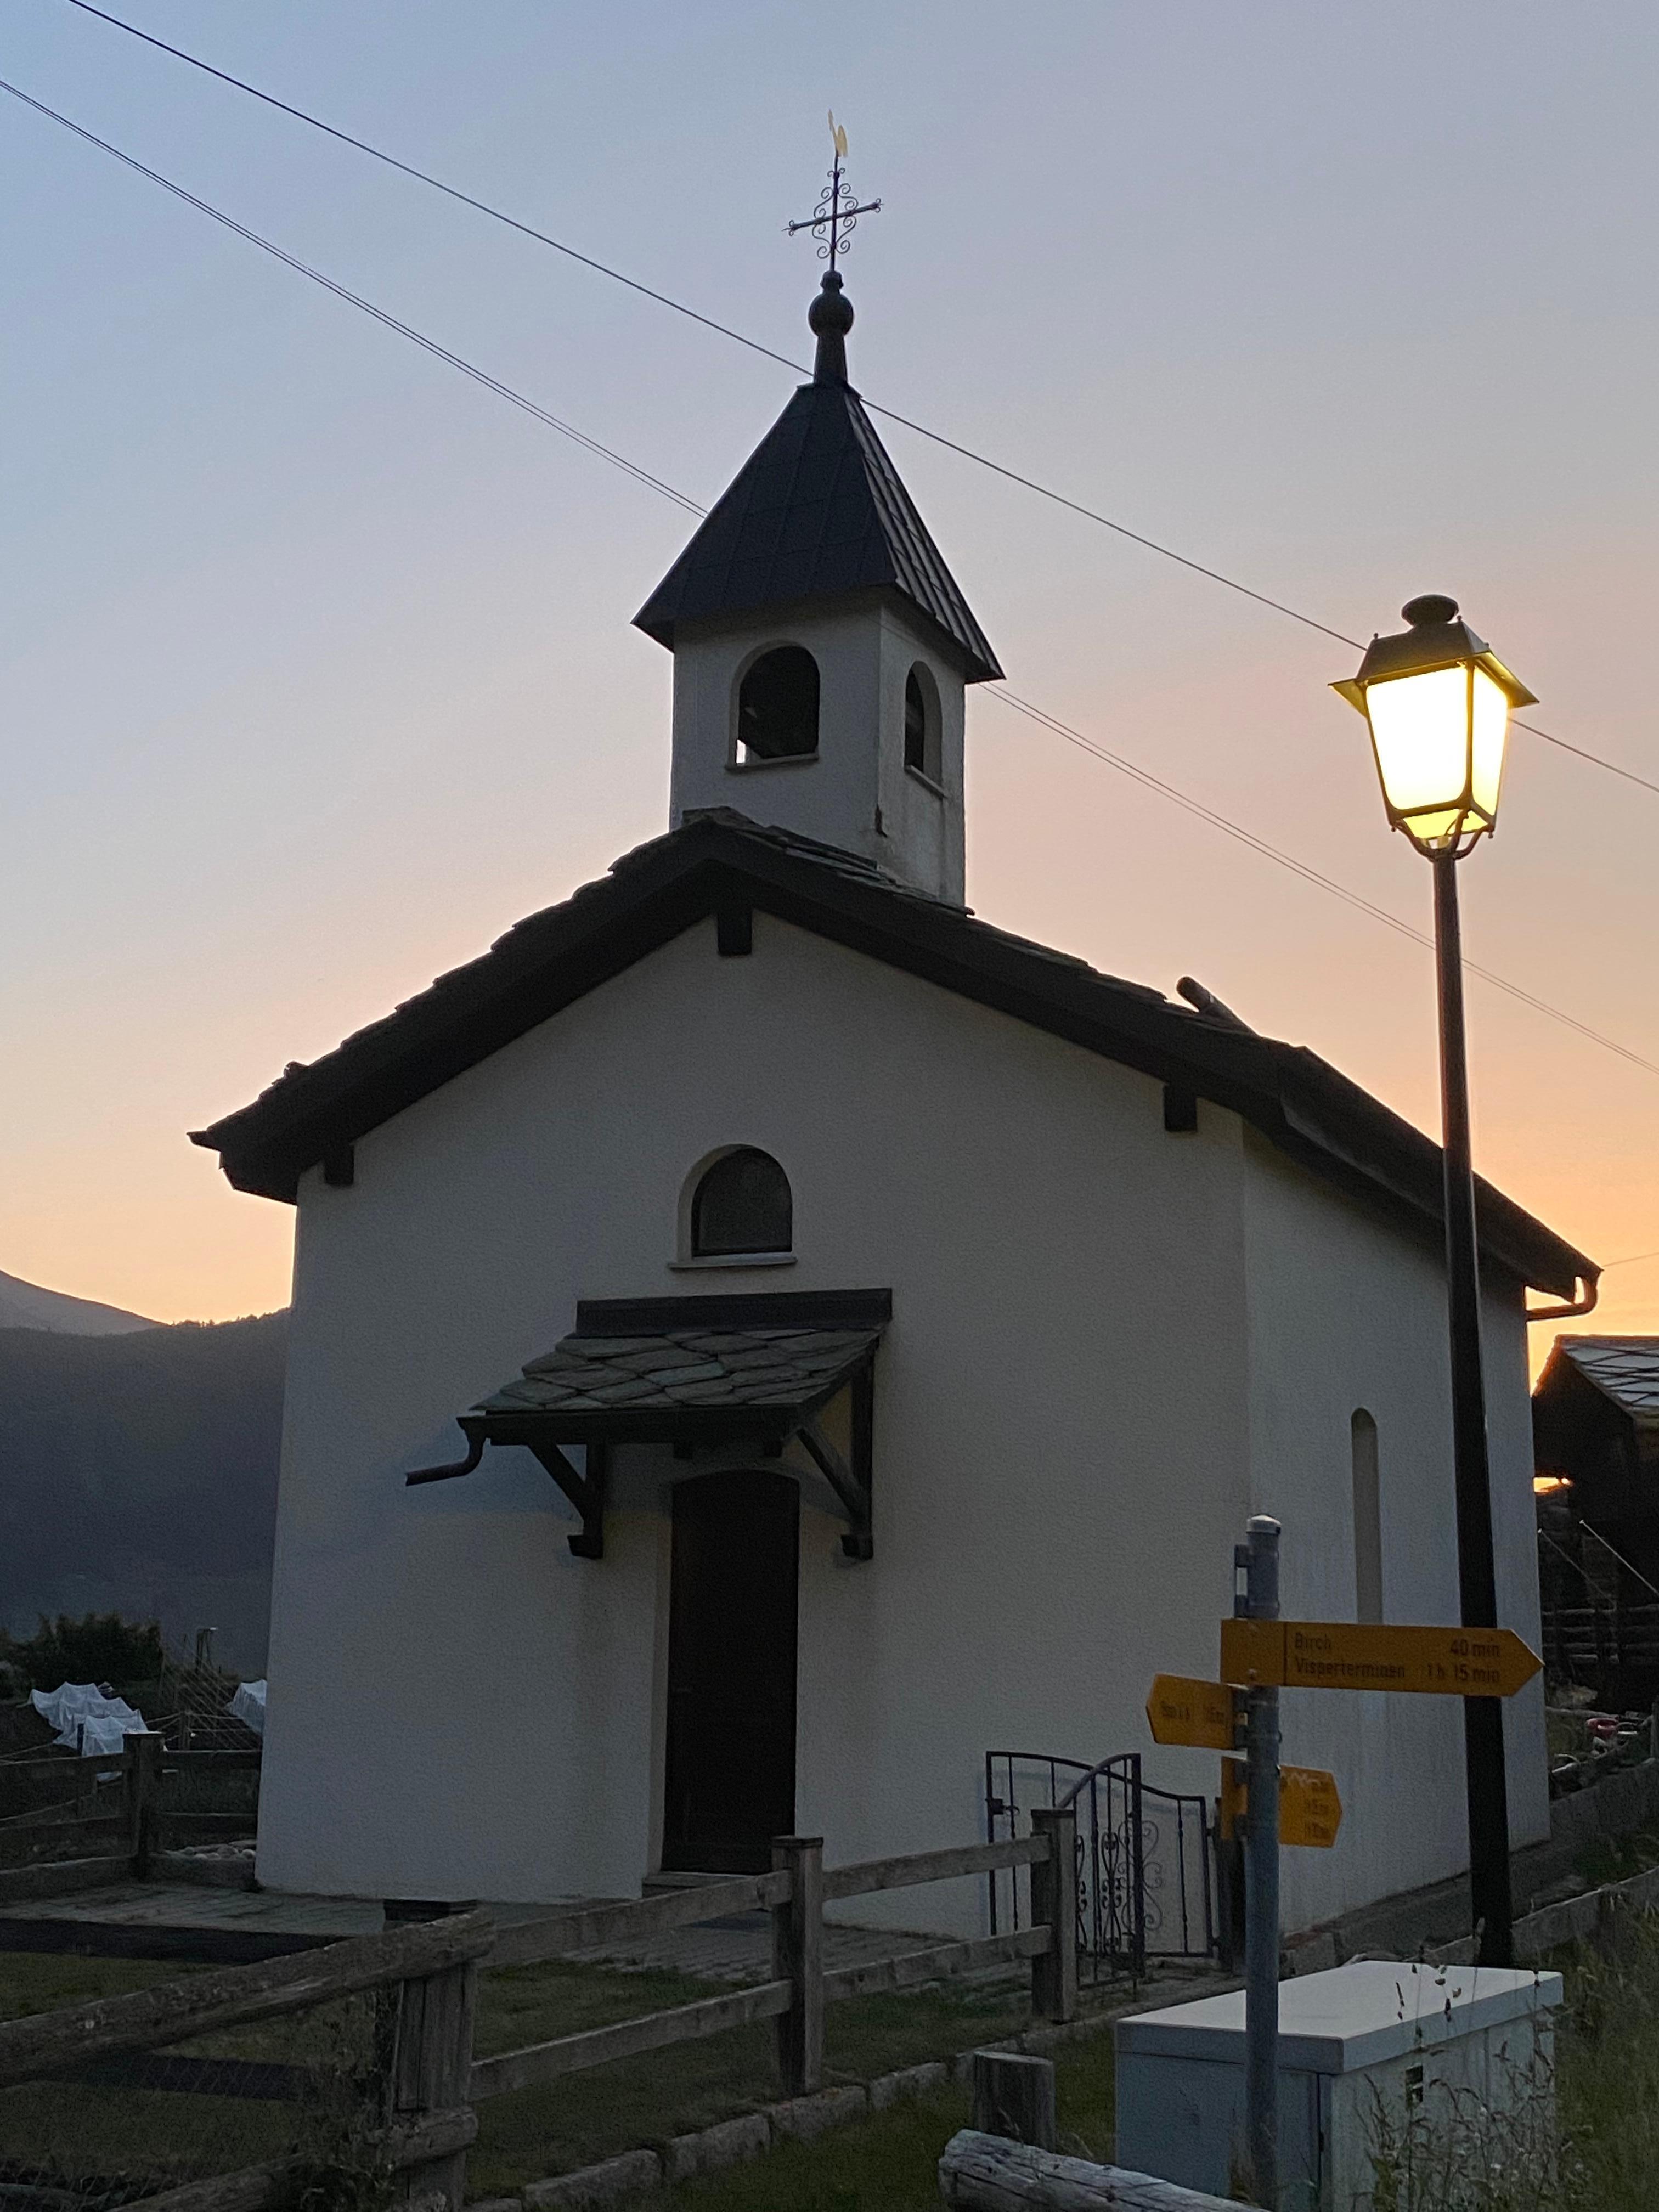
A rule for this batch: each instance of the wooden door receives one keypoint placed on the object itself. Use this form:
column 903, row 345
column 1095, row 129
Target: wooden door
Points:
column 733, row 1596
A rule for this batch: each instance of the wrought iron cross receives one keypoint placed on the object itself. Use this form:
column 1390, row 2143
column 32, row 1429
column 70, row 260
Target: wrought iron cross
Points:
column 838, row 210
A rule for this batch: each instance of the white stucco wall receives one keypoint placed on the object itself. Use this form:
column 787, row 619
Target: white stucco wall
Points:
column 1068, row 1436
column 1342, row 1318
column 855, row 793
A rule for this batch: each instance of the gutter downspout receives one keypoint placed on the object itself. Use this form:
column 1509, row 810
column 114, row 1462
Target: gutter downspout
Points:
column 1590, row 1290
column 474, row 1451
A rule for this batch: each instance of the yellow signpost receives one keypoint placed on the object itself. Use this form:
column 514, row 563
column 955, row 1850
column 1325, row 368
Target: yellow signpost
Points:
column 1341, row 1655
column 1181, row 1710
column 1309, row 1808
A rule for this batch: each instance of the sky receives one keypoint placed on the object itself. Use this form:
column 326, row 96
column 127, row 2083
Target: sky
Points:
column 318, row 663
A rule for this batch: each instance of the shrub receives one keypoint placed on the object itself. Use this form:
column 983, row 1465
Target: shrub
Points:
column 100, row 1648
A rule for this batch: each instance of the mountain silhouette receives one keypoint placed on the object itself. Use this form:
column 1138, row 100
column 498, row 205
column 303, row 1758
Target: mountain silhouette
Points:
column 26, row 1305
column 138, row 1475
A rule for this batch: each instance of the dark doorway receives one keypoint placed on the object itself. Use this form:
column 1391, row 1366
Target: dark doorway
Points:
column 730, row 1784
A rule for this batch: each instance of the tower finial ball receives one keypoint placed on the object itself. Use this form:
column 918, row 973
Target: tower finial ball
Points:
column 832, row 310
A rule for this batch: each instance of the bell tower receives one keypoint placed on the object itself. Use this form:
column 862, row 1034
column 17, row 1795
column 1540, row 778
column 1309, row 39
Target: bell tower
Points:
column 821, row 648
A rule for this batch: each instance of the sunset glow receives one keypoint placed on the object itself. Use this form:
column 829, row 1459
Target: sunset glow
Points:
column 322, row 672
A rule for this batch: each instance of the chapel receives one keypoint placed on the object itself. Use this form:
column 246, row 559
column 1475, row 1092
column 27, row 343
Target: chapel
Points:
column 767, row 1342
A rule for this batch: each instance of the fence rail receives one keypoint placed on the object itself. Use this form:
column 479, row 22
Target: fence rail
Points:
column 602, row 2046
column 62, row 1805
column 873, row 1875
column 530, row 1942
column 425, row 1972
column 47, row 2043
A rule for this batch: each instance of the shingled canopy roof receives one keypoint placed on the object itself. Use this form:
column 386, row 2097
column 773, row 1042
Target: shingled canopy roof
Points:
column 608, row 1381
column 750, row 1368
column 721, row 862
column 1624, row 1369
column 817, row 511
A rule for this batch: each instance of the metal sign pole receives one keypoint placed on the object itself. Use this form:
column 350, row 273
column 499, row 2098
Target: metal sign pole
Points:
column 1258, row 1559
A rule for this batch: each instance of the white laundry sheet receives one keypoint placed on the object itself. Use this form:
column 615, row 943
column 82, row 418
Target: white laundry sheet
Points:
column 86, row 1720
column 249, row 1705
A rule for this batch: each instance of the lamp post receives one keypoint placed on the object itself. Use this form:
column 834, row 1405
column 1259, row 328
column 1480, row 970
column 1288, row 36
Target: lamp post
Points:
column 1436, row 701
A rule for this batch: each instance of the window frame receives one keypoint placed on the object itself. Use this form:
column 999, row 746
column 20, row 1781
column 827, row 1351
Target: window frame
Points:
column 692, row 1255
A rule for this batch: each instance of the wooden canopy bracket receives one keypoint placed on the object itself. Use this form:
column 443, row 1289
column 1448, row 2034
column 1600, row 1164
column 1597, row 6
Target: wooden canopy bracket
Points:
column 586, row 1492
column 853, row 1485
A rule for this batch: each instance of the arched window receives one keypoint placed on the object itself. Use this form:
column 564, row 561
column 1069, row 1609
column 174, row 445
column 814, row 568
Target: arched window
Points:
column 742, row 1204
column 921, row 719
column 778, row 708
column 1367, row 1518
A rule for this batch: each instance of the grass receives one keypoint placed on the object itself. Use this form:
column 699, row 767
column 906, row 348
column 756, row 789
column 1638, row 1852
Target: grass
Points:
column 1606, row 2071
column 41, row 1981
column 1607, row 2067
column 1615, row 1858
column 530, row 2133
column 890, row 2162
column 1606, row 2082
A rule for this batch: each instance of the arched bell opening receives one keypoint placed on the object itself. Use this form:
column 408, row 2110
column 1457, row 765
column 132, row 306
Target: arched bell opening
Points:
column 777, row 709
column 924, row 745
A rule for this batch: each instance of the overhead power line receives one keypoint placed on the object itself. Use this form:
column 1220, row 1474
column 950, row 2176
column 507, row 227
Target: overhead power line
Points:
column 754, row 346
column 1274, row 852
column 682, row 499
column 356, row 299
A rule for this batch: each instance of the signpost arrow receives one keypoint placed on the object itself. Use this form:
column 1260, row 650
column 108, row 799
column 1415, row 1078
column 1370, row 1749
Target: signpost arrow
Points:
column 1340, row 1655
column 1309, row 1808
column 1181, row 1710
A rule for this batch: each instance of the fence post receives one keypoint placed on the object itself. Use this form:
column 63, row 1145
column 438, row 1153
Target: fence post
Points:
column 797, row 1959
column 1054, row 1907
column 431, row 2066
column 141, row 1777
column 1014, row 2096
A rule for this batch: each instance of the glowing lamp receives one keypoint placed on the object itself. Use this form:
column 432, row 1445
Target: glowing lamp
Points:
column 1436, row 699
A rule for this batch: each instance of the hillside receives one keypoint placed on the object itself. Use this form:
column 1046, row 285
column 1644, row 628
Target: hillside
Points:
column 26, row 1305
column 140, row 1475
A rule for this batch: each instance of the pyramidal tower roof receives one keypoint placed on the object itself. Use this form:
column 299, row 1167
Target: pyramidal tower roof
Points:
column 818, row 510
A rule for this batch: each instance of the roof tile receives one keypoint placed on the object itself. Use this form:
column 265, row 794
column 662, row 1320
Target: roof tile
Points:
column 818, row 509
column 788, row 1368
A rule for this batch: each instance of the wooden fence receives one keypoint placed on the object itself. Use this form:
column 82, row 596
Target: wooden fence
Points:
column 430, row 2081
column 795, row 1893
column 428, row 2123
column 110, row 1834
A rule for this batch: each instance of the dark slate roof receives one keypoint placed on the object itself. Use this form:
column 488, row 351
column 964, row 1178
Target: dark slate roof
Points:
column 1623, row 1368
column 721, row 861
column 817, row 511
column 645, row 1367
column 783, row 1371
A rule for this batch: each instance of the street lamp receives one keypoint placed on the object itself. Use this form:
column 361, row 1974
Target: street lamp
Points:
column 1436, row 701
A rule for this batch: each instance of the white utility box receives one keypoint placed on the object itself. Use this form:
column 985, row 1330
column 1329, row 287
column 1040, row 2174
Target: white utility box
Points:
column 1370, row 2034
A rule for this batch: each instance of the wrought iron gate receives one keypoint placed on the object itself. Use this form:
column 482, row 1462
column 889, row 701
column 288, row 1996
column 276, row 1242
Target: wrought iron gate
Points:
column 1144, row 1886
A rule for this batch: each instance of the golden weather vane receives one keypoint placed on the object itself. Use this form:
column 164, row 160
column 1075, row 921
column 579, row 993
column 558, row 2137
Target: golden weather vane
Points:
column 836, row 217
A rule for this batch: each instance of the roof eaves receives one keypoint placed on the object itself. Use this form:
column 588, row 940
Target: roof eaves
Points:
column 1325, row 1109
column 1300, row 1102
